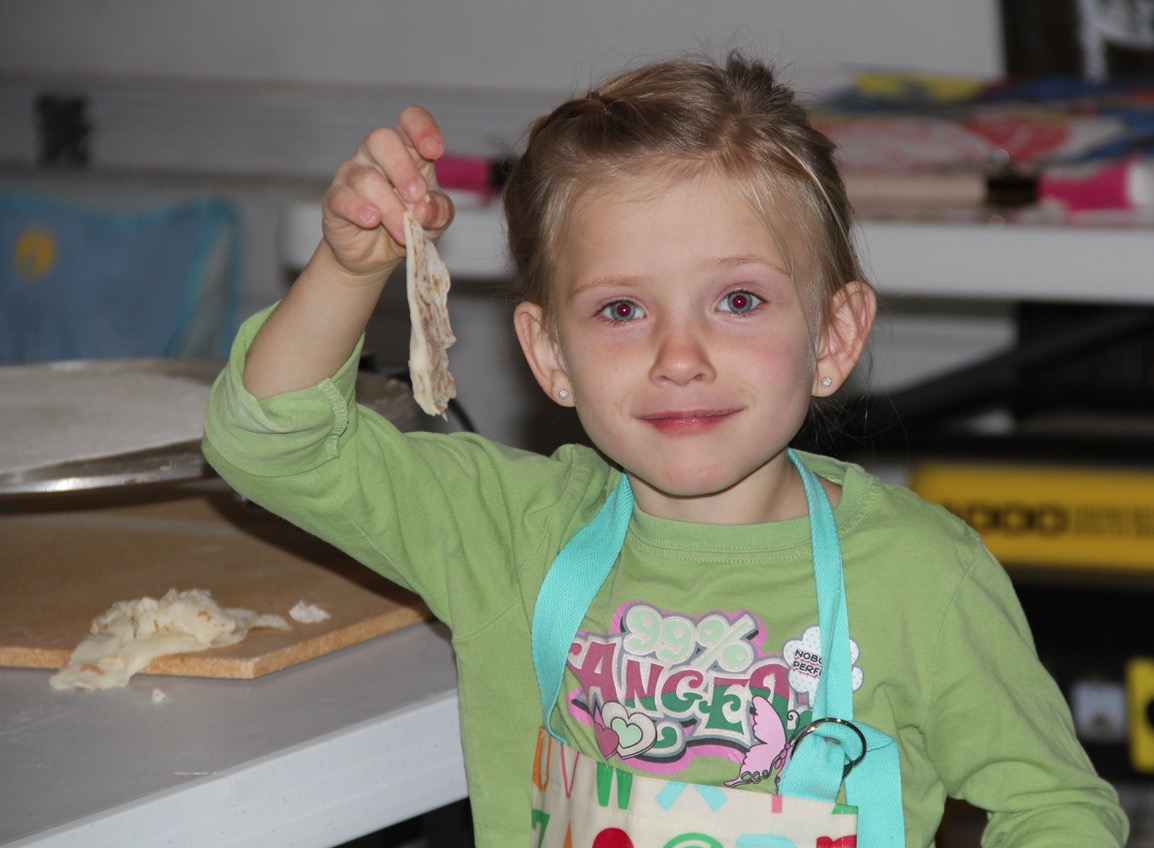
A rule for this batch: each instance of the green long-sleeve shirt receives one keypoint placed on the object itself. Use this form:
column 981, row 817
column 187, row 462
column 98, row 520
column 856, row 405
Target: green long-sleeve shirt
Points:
column 708, row 630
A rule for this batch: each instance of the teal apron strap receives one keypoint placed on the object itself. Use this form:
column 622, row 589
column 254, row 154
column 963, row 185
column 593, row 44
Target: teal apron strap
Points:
column 568, row 590
column 818, row 765
column 834, row 696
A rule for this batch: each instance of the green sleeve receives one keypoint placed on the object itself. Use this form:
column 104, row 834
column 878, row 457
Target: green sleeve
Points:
column 999, row 730
column 303, row 428
column 454, row 518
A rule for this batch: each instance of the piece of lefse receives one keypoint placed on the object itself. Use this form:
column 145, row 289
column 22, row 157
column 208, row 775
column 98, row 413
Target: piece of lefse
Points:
column 427, row 279
column 130, row 634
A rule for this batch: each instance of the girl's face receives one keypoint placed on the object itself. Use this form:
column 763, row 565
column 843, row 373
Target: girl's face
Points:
column 685, row 346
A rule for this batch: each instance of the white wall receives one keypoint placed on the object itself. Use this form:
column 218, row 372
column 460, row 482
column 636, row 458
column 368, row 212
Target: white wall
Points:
column 520, row 44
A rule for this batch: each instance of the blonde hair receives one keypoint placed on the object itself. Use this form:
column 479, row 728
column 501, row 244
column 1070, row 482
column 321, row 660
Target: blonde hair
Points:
column 686, row 116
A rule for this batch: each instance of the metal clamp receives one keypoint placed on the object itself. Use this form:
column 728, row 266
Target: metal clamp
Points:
column 809, row 728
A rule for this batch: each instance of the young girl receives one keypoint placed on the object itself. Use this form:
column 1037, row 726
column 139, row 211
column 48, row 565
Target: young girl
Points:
column 677, row 607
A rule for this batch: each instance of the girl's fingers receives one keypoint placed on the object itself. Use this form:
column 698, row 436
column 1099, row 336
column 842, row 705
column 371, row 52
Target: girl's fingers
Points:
column 376, row 201
column 391, row 171
column 388, row 151
column 435, row 212
column 345, row 203
column 420, row 131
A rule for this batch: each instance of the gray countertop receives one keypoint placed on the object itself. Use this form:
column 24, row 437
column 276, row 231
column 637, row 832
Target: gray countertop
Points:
column 313, row 755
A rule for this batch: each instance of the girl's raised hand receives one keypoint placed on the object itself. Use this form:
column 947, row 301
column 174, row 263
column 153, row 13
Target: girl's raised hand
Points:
column 391, row 170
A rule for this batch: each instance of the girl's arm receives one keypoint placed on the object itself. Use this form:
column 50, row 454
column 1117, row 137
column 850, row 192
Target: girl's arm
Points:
column 318, row 323
column 1000, row 731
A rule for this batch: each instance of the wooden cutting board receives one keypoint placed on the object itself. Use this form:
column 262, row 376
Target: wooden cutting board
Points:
column 65, row 558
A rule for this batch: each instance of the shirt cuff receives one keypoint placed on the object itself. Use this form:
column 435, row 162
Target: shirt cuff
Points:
column 283, row 434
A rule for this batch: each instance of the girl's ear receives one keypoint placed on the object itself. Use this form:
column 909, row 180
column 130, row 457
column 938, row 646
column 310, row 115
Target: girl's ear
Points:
column 851, row 316
column 541, row 352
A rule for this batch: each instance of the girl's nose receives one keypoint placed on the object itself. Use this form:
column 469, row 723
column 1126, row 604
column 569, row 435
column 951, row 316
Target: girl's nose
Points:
column 681, row 356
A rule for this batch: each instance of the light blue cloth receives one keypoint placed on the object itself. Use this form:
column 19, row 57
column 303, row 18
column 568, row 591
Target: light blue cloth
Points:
column 77, row 283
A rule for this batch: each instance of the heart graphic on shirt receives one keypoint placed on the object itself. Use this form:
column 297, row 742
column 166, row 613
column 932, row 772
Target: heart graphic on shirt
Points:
column 607, row 740
column 623, row 733
column 628, row 734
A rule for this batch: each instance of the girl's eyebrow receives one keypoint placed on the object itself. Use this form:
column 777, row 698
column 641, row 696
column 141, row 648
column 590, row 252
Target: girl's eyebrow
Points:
column 747, row 259
column 609, row 282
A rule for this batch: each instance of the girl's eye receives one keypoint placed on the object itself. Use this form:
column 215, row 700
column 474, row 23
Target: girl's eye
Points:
column 739, row 302
column 623, row 310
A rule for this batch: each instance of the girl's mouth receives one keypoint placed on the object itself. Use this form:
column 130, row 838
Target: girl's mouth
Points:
column 687, row 421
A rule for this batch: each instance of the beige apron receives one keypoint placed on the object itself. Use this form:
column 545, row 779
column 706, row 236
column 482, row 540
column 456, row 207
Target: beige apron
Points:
column 581, row 802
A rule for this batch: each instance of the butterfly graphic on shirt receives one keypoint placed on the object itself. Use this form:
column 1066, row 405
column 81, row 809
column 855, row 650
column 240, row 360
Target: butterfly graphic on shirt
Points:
column 770, row 752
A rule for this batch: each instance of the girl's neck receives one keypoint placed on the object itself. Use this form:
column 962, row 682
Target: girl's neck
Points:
column 774, row 493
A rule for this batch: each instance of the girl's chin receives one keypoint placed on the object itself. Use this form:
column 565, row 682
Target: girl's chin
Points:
column 683, row 490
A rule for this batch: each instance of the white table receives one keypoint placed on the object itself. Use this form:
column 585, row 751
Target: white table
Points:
column 311, row 756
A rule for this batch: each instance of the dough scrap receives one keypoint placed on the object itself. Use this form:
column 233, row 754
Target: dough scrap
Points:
column 427, row 279
column 308, row 613
column 130, row 634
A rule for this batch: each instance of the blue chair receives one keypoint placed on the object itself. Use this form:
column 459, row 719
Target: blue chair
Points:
column 78, row 283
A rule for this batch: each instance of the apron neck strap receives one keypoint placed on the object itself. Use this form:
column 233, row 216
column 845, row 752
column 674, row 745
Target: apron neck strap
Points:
column 585, row 562
column 834, row 696
column 569, row 587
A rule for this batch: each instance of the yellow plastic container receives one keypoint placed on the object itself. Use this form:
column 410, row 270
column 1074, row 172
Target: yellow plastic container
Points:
column 1050, row 515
